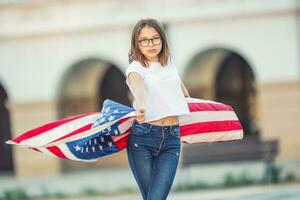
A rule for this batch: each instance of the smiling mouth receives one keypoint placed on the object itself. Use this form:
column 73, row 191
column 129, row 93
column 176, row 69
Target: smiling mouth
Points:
column 152, row 50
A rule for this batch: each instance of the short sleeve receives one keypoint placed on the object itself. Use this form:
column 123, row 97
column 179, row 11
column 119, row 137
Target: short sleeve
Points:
column 134, row 67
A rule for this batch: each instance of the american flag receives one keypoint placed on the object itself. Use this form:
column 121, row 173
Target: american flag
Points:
column 90, row 136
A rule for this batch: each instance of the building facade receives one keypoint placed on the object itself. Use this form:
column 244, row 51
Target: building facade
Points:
column 61, row 58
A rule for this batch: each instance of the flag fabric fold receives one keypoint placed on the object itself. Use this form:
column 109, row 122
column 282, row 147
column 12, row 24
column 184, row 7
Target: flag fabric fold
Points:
column 90, row 136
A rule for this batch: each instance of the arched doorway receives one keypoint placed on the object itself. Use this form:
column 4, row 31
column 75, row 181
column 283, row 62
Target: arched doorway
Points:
column 225, row 76
column 83, row 88
column 112, row 86
column 235, row 86
column 6, row 159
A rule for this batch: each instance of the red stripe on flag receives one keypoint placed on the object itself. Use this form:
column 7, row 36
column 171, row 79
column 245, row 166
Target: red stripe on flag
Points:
column 82, row 129
column 122, row 120
column 209, row 107
column 56, row 151
column 205, row 127
column 122, row 142
column 47, row 127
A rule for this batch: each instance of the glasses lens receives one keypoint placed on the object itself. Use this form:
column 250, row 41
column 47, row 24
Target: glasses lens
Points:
column 156, row 41
column 144, row 43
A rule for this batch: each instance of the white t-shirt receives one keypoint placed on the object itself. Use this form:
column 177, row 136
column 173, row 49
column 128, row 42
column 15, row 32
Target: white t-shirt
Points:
column 164, row 94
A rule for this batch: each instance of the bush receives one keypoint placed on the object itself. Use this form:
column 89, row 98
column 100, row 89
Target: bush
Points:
column 240, row 180
column 127, row 190
column 59, row 195
column 91, row 192
column 275, row 173
column 192, row 186
column 290, row 177
column 15, row 194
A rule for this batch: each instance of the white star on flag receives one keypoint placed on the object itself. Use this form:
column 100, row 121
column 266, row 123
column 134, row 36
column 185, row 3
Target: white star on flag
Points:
column 77, row 148
column 116, row 111
column 111, row 118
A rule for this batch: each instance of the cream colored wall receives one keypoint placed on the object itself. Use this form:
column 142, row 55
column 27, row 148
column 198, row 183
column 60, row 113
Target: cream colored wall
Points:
column 25, row 117
column 279, row 108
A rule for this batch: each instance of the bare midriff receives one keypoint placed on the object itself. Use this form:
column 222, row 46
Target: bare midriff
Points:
column 166, row 121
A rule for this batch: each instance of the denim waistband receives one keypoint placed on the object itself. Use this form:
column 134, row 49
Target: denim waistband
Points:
column 157, row 127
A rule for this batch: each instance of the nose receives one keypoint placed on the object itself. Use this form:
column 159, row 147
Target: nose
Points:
column 151, row 42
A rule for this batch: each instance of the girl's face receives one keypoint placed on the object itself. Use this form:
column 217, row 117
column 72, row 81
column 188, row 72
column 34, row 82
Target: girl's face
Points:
column 150, row 43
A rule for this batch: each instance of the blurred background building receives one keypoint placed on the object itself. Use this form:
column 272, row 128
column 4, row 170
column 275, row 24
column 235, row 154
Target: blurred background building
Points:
column 59, row 58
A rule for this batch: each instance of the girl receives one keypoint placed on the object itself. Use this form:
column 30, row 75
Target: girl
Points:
column 159, row 100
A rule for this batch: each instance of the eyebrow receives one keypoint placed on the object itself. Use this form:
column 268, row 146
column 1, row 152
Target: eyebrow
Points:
column 149, row 38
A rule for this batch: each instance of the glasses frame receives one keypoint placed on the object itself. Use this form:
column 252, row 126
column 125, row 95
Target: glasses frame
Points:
column 148, row 40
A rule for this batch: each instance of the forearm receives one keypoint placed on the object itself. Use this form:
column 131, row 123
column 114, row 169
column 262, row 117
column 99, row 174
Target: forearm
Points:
column 139, row 92
column 139, row 97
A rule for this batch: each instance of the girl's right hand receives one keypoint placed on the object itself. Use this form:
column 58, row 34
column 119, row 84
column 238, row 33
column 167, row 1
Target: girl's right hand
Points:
column 140, row 115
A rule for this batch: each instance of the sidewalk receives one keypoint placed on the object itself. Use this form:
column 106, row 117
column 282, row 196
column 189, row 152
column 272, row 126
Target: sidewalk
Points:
column 113, row 179
column 105, row 179
column 268, row 192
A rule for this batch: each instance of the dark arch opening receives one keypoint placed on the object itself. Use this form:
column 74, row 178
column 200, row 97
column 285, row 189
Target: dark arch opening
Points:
column 6, row 158
column 235, row 86
column 112, row 86
column 225, row 76
column 87, row 83
column 82, row 89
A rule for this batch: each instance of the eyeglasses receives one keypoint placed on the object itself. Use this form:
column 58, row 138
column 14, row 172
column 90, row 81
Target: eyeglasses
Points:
column 145, row 42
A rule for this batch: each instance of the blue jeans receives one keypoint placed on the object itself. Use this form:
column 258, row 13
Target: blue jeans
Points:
column 153, row 154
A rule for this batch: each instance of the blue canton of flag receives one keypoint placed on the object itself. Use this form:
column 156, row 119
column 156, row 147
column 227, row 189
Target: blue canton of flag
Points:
column 101, row 143
column 112, row 110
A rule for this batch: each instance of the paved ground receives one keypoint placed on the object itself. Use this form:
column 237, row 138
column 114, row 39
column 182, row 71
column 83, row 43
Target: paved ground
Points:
column 105, row 179
column 269, row 192
column 116, row 179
